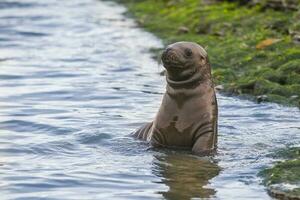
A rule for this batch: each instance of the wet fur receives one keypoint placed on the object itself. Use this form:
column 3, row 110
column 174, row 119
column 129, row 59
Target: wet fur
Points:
column 187, row 117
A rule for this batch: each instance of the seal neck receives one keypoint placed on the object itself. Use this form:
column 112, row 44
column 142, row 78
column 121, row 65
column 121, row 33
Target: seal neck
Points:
column 190, row 83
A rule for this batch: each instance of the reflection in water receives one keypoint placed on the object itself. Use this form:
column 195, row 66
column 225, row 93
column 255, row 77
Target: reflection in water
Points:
column 185, row 175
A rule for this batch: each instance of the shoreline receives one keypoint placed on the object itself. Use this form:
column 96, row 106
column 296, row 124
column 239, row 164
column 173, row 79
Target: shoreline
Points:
column 263, row 68
column 282, row 179
column 249, row 59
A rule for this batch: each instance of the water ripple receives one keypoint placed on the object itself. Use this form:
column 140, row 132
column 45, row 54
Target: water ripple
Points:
column 29, row 127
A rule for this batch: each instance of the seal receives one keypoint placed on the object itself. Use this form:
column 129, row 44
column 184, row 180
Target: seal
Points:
column 188, row 115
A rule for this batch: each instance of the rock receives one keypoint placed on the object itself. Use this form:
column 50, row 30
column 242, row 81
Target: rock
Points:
column 219, row 87
column 296, row 39
column 281, row 194
column 183, row 30
column 294, row 97
column 140, row 21
column 261, row 98
column 220, row 33
column 282, row 179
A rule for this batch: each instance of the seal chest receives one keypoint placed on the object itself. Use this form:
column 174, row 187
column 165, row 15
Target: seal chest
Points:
column 187, row 117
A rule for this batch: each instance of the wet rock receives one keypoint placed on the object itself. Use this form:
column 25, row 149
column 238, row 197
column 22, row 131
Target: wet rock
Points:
column 294, row 97
column 219, row 87
column 282, row 180
column 261, row 98
column 140, row 21
column 220, row 33
column 183, row 30
column 274, row 192
column 296, row 39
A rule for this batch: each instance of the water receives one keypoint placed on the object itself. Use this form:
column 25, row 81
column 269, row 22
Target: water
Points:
column 76, row 78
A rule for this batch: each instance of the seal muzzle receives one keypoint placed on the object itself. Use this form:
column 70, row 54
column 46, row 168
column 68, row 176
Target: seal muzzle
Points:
column 169, row 57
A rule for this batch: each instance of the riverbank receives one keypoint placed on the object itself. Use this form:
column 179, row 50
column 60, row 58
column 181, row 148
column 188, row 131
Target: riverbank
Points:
column 253, row 49
column 254, row 52
column 283, row 178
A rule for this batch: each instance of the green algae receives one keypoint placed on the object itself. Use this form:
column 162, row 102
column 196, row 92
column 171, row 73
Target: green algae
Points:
column 284, row 172
column 230, row 33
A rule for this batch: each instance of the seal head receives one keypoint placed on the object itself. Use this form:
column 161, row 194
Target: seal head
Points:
column 185, row 60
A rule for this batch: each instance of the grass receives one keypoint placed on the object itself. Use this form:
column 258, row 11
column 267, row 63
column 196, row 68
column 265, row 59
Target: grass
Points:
column 250, row 48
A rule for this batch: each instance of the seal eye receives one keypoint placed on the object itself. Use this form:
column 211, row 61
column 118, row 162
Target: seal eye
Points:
column 188, row 52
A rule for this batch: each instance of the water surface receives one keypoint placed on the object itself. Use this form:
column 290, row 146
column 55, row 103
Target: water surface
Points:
column 76, row 78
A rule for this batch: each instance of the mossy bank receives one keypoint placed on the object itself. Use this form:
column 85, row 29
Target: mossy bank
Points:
column 253, row 48
column 283, row 179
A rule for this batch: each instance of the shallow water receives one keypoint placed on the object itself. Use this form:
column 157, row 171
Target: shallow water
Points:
column 76, row 78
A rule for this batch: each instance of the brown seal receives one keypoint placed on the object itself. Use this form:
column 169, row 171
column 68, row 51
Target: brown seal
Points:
column 187, row 117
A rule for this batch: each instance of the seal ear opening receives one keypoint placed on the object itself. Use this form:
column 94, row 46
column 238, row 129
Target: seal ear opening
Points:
column 203, row 60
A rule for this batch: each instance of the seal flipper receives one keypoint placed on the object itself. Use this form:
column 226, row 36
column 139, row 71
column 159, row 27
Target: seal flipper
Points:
column 143, row 132
column 205, row 145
